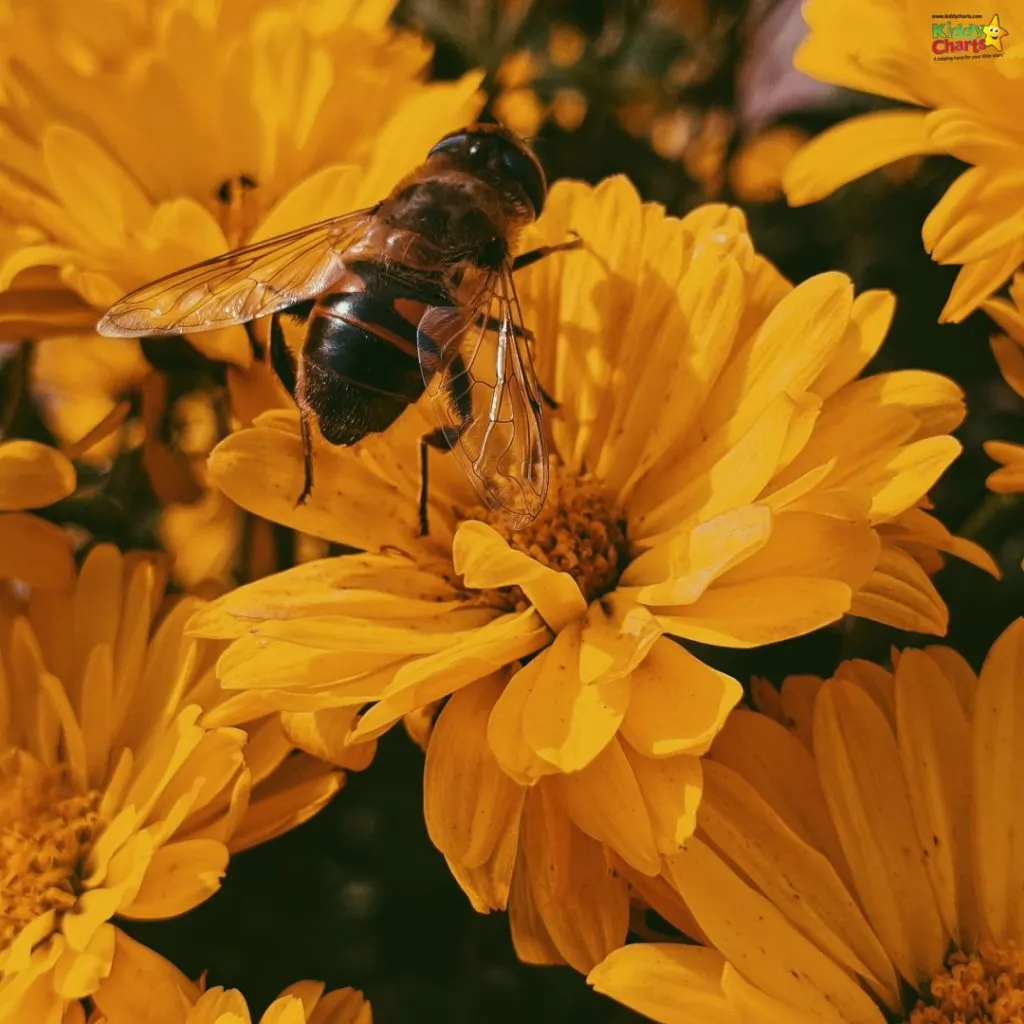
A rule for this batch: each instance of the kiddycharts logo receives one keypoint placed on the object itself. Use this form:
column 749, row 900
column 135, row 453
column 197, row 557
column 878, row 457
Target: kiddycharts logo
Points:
column 966, row 37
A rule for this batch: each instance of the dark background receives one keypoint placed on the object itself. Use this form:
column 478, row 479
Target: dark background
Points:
column 359, row 896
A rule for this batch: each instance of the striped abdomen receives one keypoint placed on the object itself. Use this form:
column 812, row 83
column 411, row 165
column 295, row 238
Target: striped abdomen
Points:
column 359, row 369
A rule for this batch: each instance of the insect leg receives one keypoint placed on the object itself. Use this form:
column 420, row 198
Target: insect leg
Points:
column 307, row 457
column 282, row 359
column 527, row 259
column 444, row 438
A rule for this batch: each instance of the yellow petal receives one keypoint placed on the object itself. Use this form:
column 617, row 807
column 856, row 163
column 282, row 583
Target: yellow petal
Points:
column 292, row 795
column 426, row 679
column 817, row 311
column 976, row 282
column 678, row 703
column 485, row 560
column 583, row 906
column 142, row 985
column 870, row 318
column 781, row 769
column 761, row 944
column 261, row 470
column 760, row 612
column 36, row 552
column 617, row 634
column 934, row 743
column 32, row 475
column 1010, row 357
column 681, row 568
column 471, row 807
column 180, row 876
column 77, row 974
column 671, row 788
column 899, row 593
column 530, row 937
column 605, row 801
column 852, row 149
column 862, row 778
column 795, row 877
column 998, row 760
column 325, row 734
column 565, row 721
column 667, row 982
column 505, row 727
column 752, row 1004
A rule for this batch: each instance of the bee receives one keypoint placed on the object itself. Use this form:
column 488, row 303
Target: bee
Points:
column 413, row 295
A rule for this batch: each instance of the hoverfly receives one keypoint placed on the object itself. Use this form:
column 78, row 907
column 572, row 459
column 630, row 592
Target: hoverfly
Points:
column 412, row 295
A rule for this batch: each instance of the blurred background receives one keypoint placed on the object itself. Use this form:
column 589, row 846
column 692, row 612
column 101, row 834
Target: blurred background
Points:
column 695, row 100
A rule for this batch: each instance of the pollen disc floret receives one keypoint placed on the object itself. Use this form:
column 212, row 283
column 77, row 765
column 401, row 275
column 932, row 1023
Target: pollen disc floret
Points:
column 987, row 987
column 579, row 532
column 47, row 828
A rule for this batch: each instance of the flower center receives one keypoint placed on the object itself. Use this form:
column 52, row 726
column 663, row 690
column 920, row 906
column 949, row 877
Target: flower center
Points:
column 576, row 532
column 47, row 829
column 986, row 987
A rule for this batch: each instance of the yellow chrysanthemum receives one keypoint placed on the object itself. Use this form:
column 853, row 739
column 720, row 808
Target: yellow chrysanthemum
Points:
column 1009, row 352
column 863, row 866
column 116, row 798
column 234, row 124
column 718, row 475
column 143, row 986
column 38, row 553
column 885, row 47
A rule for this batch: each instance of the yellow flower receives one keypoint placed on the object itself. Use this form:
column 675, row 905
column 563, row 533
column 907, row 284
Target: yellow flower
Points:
column 234, row 124
column 143, row 986
column 863, row 867
column 32, row 550
column 970, row 112
column 116, row 797
column 719, row 475
column 1009, row 352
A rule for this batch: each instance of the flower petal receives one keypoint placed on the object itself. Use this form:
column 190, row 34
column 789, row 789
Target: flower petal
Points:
column 796, row 878
column 485, row 560
column 899, row 593
column 862, row 778
column 565, row 721
column 471, row 807
column 998, row 760
column 32, row 475
column 671, row 788
column 667, row 982
column 853, row 148
column 36, row 552
column 605, row 801
column 180, row 876
column 934, row 743
column 678, row 703
column 583, row 906
column 761, row 944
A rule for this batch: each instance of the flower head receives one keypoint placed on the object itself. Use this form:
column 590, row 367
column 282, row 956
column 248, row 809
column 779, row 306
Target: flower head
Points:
column 231, row 124
column 861, row 865
column 116, row 799
column 883, row 47
column 718, row 476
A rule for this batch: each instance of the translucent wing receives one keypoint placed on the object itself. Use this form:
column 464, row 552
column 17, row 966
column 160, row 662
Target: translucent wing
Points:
column 479, row 376
column 240, row 285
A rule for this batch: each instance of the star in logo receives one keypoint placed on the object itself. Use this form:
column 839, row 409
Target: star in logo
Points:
column 994, row 33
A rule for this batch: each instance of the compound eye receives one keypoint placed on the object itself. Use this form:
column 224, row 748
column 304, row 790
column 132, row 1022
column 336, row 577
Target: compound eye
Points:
column 452, row 144
column 525, row 171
